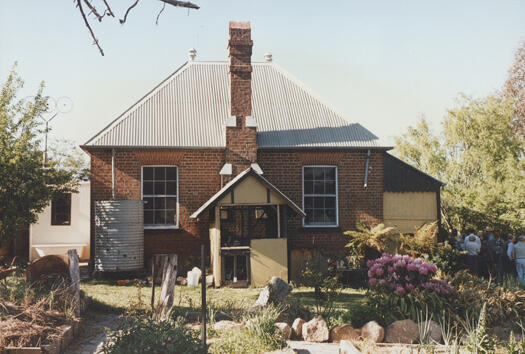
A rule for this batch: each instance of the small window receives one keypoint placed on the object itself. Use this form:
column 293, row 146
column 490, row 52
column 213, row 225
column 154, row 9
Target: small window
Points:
column 320, row 195
column 61, row 210
column 160, row 196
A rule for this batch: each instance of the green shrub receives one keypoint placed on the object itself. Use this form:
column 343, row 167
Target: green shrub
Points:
column 359, row 315
column 140, row 333
column 327, row 288
column 260, row 335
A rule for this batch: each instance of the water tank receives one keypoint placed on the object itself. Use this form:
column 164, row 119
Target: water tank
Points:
column 119, row 235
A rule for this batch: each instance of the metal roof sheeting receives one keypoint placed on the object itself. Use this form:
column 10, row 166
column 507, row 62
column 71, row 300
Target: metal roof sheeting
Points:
column 399, row 176
column 190, row 108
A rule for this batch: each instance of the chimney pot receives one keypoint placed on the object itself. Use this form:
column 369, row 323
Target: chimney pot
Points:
column 192, row 53
column 268, row 57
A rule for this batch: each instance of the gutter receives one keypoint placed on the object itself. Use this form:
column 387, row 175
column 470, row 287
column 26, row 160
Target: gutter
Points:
column 366, row 168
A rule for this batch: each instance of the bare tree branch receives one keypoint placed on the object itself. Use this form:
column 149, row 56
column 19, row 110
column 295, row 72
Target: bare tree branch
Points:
column 93, row 10
column 187, row 4
column 161, row 10
column 79, row 4
column 109, row 11
column 127, row 12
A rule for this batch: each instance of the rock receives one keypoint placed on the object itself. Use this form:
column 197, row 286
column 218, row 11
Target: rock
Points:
column 433, row 329
column 228, row 325
column 275, row 292
column 47, row 265
column 346, row 347
column 344, row 332
column 315, row 330
column 285, row 329
column 181, row 280
column 405, row 331
column 195, row 326
column 297, row 327
column 373, row 332
column 209, row 280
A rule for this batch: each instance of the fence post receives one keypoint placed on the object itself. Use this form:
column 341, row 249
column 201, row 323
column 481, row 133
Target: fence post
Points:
column 169, row 277
column 203, row 301
column 74, row 273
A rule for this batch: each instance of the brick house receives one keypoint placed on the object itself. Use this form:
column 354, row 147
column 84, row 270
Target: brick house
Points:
column 243, row 158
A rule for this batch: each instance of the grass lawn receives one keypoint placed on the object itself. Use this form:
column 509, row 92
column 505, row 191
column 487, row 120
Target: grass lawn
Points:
column 109, row 296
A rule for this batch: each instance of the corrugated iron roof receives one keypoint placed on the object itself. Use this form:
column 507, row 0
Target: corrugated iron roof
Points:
column 189, row 109
column 399, row 176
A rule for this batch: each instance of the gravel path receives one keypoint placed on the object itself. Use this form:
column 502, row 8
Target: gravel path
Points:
column 92, row 333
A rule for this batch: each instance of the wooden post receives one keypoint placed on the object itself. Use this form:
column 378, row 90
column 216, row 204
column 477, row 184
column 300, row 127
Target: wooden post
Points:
column 74, row 273
column 169, row 277
column 203, row 300
column 153, row 283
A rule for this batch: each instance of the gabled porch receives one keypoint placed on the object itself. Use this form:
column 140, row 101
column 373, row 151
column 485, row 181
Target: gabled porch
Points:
column 248, row 231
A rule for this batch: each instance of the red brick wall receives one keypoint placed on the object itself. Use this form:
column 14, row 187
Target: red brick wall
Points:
column 284, row 170
column 199, row 179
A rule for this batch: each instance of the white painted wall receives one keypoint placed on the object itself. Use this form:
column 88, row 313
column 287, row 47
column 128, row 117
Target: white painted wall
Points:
column 43, row 233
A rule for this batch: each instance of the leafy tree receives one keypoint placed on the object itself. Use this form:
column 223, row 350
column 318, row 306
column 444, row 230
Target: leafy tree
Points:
column 515, row 88
column 25, row 186
column 479, row 157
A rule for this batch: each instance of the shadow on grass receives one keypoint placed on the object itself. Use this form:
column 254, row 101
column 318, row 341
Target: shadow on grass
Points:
column 344, row 300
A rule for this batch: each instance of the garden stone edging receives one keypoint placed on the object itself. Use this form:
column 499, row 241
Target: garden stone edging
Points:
column 373, row 332
column 315, row 330
column 404, row 331
column 297, row 327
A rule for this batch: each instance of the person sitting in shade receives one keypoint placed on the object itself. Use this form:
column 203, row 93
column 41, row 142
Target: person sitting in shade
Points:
column 473, row 247
column 518, row 254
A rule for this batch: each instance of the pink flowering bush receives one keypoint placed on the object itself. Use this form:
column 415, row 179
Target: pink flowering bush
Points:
column 404, row 274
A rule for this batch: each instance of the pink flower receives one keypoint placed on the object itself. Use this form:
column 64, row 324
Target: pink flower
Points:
column 382, row 281
column 369, row 263
column 400, row 290
column 373, row 281
column 433, row 268
column 390, row 269
column 380, row 271
column 411, row 267
column 371, row 273
column 423, row 271
column 410, row 287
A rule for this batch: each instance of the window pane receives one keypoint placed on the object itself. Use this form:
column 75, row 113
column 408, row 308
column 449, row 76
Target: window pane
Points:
column 160, row 173
column 160, row 188
column 318, row 187
column 148, row 203
column 160, row 217
column 309, row 216
column 308, row 187
column 329, row 202
column 319, row 202
column 148, row 217
column 318, row 173
column 171, row 173
column 308, row 173
column 147, row 173
column 329, row 173
column 330, row 216
column 170, row 216
column 159, row 203
column 171, row 203
column 171, row 188
column 329, row 187
column 308, row 202
column 147, row 188
column 318, row 216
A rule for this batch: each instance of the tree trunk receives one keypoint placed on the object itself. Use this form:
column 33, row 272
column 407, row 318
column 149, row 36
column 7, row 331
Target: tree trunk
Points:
column 169, row 277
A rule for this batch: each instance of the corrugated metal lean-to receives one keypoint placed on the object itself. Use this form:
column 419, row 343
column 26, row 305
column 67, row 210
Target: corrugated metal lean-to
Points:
column 119, row 235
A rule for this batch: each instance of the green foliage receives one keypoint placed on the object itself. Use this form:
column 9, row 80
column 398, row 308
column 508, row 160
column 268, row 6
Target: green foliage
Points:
column 140, row 333
column 477, row 339
column 479, row 157
column 25, row 187
column 359, row 315
column 327, row 288
column 260, row 335
column 378, row 238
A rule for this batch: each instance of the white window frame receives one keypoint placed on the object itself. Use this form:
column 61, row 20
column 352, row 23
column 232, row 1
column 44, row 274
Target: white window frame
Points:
column 323, row 195
column 160, row 226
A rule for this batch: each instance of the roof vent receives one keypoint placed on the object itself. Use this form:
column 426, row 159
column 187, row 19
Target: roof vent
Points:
column 268, row 57
column 192, row 54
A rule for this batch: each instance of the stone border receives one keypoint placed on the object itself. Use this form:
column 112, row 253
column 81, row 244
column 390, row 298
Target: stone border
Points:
column 59, row 345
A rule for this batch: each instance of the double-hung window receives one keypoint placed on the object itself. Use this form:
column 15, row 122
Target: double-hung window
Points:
column 160, row 193
column 320, row 195
column 61, row 209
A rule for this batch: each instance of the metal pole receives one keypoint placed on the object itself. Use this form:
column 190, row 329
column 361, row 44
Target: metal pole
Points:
column 203, row 307
column 45, row 145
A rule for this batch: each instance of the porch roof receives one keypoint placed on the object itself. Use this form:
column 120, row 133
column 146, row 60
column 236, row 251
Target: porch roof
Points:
column 238, row 179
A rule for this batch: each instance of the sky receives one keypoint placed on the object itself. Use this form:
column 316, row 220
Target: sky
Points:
column 380, row 63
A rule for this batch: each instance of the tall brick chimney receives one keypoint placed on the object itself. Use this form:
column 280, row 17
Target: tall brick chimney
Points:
column 241, row 130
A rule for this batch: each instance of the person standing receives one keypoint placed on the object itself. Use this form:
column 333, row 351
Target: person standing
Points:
column 510, row 248
column 499, row 251
column 486, row 257
column 518, row 254
column 473, row 247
